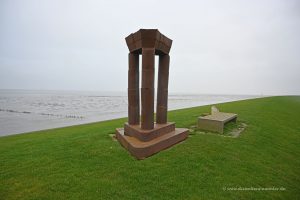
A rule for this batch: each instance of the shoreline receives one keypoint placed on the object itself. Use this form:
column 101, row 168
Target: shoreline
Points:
column 120, row 118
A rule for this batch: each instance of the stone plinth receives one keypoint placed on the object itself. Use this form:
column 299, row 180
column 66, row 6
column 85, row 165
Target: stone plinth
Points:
column 147, row 135
column 141, row 150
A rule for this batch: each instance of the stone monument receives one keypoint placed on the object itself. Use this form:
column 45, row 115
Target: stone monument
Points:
column 142, row 137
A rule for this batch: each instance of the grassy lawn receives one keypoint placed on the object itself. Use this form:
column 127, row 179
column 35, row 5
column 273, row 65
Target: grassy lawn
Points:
column 83, row 162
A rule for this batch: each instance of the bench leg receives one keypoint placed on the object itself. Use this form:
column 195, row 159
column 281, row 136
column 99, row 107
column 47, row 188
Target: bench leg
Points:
column 221, row 127
column 210, row 125
column 234, row 119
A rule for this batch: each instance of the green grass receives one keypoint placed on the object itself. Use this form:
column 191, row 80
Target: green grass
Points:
column 83, row 162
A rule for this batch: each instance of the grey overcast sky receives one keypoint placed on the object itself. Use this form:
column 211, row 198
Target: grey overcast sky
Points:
column 219, row 47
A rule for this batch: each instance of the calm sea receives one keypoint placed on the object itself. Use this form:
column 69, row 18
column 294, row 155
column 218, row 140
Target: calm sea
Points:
column 28, row 110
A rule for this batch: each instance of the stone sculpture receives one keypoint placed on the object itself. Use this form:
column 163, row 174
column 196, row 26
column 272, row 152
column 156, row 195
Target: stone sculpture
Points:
column 142, row 137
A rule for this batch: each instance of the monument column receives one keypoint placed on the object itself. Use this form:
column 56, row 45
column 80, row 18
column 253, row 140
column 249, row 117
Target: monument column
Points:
column 133, row 89
column 162, row 89
column 147, row 90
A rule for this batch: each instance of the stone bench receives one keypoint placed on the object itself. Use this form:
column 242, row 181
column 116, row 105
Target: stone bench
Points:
column 216, row 121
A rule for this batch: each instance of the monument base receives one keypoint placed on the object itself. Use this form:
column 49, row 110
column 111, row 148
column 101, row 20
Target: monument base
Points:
column 147, row 135
column 142, row 149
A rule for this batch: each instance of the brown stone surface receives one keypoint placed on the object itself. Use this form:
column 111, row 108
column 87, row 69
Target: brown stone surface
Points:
column 149, row 38
column 147, row 135
column 162, row 89
column 143, row 137
column 133, row 89
column 141, row 150
column 147, row 90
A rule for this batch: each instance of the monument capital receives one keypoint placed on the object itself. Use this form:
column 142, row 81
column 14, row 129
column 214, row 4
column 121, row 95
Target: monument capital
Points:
column 148, row 38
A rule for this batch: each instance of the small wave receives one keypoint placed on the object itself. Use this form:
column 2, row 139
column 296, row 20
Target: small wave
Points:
column 45, row 114
column 50, row 104
column 14, row 111
column 104, row 96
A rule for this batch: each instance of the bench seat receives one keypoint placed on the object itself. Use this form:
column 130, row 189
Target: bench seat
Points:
column 216, row 121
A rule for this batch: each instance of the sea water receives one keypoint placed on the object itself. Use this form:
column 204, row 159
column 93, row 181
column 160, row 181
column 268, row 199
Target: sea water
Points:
column 31, row 110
